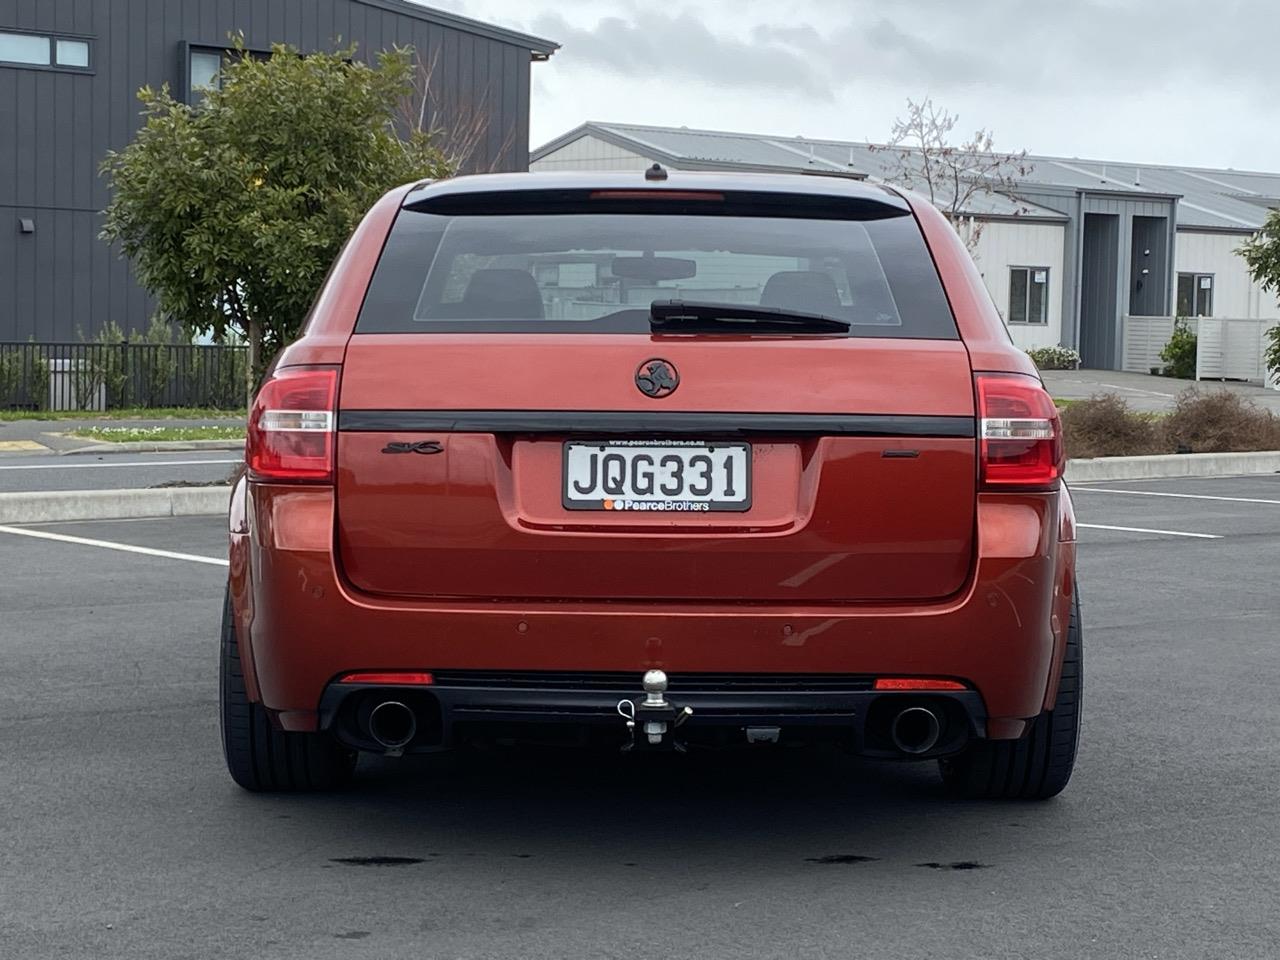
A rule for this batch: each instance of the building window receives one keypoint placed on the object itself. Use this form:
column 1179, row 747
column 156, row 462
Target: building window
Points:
column 206, row 71
column 1029, row 295
column 25, row 49
column 42, row 50
column 205, row 66
column 73, row 53
column 1195, row 294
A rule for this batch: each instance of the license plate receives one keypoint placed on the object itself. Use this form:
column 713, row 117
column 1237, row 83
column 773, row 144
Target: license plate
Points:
column 665, row 476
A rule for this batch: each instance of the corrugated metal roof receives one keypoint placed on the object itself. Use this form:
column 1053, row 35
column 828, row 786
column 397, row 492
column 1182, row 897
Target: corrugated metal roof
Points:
column 1208, row 198
column 540, row 46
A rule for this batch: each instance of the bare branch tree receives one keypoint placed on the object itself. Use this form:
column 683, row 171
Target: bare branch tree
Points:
column 923, row 157
column 457, row 129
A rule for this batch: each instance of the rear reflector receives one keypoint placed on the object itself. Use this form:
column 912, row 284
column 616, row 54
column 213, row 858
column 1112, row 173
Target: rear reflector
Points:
column 917, row 683
column 291, row 426
column 1021, row 434
column 389, row 678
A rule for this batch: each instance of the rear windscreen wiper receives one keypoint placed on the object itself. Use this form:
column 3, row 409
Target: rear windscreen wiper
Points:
column 705, row 316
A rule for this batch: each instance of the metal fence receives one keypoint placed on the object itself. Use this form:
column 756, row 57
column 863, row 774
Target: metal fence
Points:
column 105, row 376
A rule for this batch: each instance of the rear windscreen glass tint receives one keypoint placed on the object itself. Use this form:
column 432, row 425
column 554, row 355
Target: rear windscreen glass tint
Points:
column 587, row 272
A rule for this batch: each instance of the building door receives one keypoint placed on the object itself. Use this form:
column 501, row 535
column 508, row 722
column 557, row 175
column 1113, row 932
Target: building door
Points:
column 1148, row 267
column 1099, row 276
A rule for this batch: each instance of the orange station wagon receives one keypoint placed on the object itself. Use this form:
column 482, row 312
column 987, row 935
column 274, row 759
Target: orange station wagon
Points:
column 668, row 461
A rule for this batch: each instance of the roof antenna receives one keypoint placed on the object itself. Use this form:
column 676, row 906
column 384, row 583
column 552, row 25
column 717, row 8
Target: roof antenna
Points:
column 655, row 173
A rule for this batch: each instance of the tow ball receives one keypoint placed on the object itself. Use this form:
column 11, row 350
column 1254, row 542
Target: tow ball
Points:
column 653, row 720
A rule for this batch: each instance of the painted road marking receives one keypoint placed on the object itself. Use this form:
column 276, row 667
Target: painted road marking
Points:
column 131, row 463
column 1179, row 496
column 1164, row 533
column 110, row 545
column 11, row 446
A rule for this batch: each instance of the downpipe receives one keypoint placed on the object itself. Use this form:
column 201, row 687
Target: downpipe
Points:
column 916, row 730
column 392, row 725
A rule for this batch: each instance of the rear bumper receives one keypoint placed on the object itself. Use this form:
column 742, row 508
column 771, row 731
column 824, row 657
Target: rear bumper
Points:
column 303, row 625
column 478, row 707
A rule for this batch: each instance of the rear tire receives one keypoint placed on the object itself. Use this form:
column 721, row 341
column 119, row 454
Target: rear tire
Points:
column 260, row 757
column 1039, row 765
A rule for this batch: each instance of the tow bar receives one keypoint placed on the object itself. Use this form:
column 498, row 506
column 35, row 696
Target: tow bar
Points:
column 653, row 720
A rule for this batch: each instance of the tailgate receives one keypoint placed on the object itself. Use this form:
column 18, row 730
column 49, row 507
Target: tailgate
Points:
column 452, row 460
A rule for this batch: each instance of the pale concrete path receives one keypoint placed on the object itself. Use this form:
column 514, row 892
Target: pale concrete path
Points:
column 1143, row 392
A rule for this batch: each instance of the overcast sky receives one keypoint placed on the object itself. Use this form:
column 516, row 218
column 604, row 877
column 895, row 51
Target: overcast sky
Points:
column 1162, row 81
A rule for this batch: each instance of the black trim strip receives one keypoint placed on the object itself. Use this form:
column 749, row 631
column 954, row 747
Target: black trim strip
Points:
column 653, row 424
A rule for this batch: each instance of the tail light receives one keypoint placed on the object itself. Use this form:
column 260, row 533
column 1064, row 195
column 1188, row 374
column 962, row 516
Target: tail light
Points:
column 1021, row 434
column 291, row 426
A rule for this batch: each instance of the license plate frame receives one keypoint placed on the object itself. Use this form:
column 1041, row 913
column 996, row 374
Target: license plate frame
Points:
column 739, row 452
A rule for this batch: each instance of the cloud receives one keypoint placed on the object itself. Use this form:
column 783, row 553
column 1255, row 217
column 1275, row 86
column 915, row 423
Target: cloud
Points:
column 821, row 48
column 657, row 45
column 879, row 49
column 1033, row 45
column 1163, row 80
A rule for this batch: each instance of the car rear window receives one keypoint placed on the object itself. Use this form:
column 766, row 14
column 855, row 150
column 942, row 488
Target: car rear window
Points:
column 504, row 270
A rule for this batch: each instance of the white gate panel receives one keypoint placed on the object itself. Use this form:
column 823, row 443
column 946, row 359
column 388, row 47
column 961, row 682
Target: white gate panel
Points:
column 1142, row 339
column 1231, row 348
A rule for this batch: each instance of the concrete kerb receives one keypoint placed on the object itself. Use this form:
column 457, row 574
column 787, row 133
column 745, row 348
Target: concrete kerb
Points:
column 1173, row 465
column 155, row 446
column 50, row 506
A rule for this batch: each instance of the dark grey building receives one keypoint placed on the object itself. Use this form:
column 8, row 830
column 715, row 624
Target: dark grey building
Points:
column 69, row 74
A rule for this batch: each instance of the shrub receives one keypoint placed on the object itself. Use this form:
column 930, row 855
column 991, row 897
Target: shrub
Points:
column 158, row 367
column 12, row 377
column 213, row 376
column 24, row 379
column 1217, row 422
column 1054, row 358
column 108, row 365
column 1179, row 354
column 1104, row 426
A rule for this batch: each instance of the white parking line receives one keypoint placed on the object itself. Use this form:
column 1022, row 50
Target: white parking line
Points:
column 109, row 545
column 131, row 463
column 1165, row 533
column 1180, row 496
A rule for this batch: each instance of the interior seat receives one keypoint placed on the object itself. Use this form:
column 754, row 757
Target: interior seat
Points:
column 501, row 294
column 809, row 291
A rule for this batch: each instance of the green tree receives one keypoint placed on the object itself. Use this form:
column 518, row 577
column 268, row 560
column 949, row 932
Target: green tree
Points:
column 232, row 210
column 1262, row 253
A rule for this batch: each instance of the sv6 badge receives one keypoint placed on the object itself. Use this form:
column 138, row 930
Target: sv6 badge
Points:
column 424, row 447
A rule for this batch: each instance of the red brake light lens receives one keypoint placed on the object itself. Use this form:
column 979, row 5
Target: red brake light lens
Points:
column 390, row 678
column 291, row 426
column 705, row 195
column 917, row 683
column 1021, row 434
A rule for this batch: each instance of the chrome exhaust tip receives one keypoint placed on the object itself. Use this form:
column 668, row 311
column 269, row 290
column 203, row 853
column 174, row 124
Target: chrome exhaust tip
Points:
column 916, row 730
column 392, row 725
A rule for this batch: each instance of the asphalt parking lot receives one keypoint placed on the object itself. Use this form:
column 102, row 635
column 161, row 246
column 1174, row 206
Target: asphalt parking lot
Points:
column 122, row 836
column 114, row 471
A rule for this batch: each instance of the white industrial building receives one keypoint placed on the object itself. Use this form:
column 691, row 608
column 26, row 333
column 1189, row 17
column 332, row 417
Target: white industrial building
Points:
column 1099, row 256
